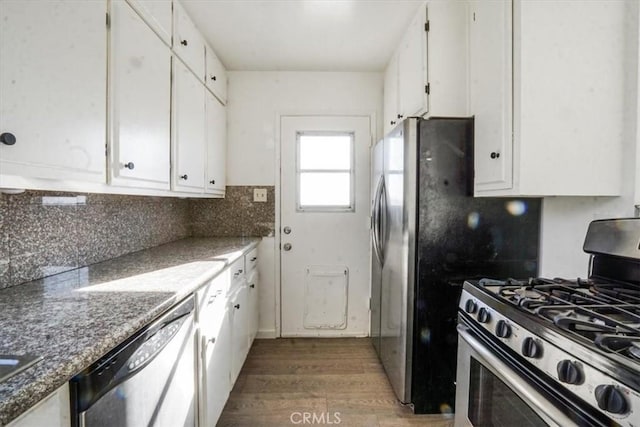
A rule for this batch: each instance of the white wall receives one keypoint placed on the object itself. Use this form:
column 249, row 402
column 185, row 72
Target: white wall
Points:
column 255, row 100
column 565, row 219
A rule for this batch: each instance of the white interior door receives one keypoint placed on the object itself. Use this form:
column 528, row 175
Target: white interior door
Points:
column 324, row 211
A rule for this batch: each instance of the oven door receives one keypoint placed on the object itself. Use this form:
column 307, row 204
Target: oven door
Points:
column 490, row 393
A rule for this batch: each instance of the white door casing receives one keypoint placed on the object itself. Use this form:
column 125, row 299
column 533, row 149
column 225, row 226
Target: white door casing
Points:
column 324, row 276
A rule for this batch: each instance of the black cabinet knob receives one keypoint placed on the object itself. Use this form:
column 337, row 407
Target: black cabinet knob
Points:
column 399, row 116
column 129, row 165
column 213, row 78
column 252, row 286
column 483, row 315
column 569, row 372
column 392, row 122
column 503, row 330
column 213, row 181
column 470, row 306
column 237, row 306
column 611, row 399
column 531, row 348
column 7, row 138
column 184, row 42
column 495, row 155
column 185, row 177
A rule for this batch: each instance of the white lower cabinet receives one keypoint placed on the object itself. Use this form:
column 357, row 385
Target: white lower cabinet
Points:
column 139, row 102
column 253, row 305
column 239, row 320
column 52, row 411
column 53, row 86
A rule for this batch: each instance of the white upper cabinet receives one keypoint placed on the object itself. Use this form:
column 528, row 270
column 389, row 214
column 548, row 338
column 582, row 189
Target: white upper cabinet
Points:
column 139, row 102
column 427, row 74
column 412, row 68
column 53, row 67
column 216, row 134
column 560, row 132
column 216, row 75
column 188, row 43
column 188, row 146
column 157, row 14
column 490, row 92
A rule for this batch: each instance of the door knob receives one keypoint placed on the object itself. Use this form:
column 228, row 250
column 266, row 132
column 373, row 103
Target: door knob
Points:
column 286, row 246
column 286, row 230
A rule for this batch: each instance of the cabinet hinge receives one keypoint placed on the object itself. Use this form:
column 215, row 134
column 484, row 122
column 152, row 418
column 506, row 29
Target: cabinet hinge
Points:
column 108, row 21
column 426, row 26
column 427, row 88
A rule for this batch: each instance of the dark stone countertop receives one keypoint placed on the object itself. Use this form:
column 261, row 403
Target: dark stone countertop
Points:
column 73, row 318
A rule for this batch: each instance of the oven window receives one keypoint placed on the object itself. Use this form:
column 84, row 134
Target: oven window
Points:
column 493, row 404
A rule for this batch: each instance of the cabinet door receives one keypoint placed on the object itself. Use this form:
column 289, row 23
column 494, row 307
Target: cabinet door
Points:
column 188, row 131
column 216, row 144
column 216, row 368
column 391, row 94
column 491, row 92
column 253, row 305
column 53, row 66
column 157, row 14
column 238, row 313
column 216, row 77
column 188, row 44
column 140, row 99
column 412, row 67
column 52, row 411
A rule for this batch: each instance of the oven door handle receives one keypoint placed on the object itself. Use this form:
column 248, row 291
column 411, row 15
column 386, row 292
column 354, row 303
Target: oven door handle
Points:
column 549, row 413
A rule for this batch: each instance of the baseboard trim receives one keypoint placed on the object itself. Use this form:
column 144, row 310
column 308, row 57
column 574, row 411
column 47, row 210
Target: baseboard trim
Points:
column 266, row 334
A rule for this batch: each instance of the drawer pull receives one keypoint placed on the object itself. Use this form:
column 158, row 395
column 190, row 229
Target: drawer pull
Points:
column 252, row 286
column 237, row 306
column 253, row 259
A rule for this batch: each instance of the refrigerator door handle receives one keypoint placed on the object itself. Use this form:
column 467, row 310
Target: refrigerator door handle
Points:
column 384, row 223
column 375, row 216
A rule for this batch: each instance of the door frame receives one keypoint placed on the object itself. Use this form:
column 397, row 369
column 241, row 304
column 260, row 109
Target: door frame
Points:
column 373, row 130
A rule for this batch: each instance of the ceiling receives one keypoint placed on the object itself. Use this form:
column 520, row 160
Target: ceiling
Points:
column 303, row 35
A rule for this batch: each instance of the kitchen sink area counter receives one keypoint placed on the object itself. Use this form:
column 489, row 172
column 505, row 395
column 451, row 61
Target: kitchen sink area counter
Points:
column 73, row 318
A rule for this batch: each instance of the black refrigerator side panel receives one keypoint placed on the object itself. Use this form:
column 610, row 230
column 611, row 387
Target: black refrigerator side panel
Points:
column 459, row 237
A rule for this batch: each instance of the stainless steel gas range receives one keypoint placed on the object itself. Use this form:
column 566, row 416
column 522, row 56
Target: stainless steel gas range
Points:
column 555, row 351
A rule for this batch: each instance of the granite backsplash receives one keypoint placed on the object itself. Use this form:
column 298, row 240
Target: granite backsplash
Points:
column 237, row 215
column 45, row 233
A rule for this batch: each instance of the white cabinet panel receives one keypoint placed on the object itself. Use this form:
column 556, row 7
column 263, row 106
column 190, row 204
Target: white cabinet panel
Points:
column 188, row 147
column 157, row 14
column 52, row 411
column 188, row 43
column 391, row 106
column 548, row 100
column 239, row 320
column 53, row 85
column 412, row 68
column 140, row 98
column 216, row 76
column 253, row 304
column 216, row 117
column 490, row 66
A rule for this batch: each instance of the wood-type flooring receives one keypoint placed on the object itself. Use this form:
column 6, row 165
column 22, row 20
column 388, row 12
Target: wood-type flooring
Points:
column 309, row 381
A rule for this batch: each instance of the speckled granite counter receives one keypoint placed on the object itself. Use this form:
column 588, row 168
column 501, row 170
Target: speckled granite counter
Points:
column 73, row 318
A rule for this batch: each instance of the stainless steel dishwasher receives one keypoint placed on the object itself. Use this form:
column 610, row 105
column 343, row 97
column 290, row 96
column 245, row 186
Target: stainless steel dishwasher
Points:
column 149, row 380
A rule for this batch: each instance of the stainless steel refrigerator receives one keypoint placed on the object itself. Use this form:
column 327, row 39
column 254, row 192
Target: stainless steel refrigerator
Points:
column 428, row 235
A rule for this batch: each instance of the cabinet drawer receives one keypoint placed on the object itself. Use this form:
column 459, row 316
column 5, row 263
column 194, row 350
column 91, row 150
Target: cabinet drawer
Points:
column 251, row 260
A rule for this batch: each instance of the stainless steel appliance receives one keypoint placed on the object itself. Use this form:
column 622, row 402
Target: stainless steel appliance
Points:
column 147, row 381
column 428, row 234
column 556, row 351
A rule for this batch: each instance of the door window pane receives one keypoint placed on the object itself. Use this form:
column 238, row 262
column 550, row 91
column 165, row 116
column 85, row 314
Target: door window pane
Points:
column 325, row 171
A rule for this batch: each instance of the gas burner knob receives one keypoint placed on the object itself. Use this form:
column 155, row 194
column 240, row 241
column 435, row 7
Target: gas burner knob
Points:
column 569, row 372
column 611, row 399
column 503, row 330
column 471, row 306
column 531, row 348
column 483, row 315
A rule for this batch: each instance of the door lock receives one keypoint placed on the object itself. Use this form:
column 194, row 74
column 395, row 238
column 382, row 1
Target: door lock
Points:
column 286, row 230
column 286, row 246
